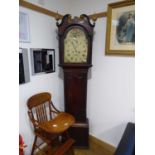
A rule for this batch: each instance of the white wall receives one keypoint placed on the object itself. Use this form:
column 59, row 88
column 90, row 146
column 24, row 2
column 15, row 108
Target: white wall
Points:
column 42, row 35
column 110, row 99
column 62, row 6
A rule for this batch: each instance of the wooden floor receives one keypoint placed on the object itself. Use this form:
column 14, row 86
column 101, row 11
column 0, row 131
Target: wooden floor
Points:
column 93, row 150
column 96, row 148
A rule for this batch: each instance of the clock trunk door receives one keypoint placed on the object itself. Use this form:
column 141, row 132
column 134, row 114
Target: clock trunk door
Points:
column 75, row 93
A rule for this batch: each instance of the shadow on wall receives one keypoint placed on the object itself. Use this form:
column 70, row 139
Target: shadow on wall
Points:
column 113, row 135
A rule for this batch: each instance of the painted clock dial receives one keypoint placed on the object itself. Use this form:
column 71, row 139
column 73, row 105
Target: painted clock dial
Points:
column 75, row 46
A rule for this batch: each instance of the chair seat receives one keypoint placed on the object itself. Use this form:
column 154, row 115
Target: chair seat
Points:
column 59, row 124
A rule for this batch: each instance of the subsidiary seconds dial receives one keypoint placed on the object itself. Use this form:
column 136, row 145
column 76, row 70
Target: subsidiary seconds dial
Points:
column 75, row 46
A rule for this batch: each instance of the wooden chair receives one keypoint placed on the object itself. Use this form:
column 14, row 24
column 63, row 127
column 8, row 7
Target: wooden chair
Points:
column 50, row 125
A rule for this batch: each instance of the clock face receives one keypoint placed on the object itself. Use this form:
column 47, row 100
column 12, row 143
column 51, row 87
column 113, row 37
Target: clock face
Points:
column 75, row 46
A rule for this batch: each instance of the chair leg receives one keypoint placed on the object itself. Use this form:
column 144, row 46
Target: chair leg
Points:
column 71, row 151
column 34, row 143
column 65, row 136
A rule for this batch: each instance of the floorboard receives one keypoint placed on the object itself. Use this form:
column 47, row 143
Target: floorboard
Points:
column 94, row 149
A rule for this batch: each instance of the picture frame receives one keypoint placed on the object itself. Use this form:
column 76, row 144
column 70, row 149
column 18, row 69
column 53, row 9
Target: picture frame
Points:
column 24, row 30
column 42, row 60
column 24, row 72
column 120, row 33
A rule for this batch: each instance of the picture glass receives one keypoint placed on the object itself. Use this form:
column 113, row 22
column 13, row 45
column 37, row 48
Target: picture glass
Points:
column 24, row 35
column 123, row 28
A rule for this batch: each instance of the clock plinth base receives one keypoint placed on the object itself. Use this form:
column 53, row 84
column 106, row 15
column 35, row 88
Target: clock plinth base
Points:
column 80, row 133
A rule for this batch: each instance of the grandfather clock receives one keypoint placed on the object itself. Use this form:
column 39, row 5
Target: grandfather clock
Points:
column 75, row 57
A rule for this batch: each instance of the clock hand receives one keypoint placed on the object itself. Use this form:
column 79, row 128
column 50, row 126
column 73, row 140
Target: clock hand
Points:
column 74, row 47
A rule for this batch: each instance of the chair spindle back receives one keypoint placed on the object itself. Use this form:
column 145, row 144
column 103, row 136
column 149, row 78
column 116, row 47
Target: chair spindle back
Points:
column 40, row 107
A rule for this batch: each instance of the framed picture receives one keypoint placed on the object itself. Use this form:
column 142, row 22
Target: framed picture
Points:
column 42, row 60
column 120, row 36
column 24, row 32
column 24, row 73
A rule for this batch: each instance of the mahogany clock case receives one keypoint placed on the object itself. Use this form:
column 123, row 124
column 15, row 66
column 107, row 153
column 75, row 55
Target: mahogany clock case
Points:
column 75, row 75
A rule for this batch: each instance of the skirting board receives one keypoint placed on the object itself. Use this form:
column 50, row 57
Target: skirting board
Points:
column 109, row 148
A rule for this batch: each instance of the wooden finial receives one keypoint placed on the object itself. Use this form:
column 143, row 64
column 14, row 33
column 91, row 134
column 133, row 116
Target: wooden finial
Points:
column 94, row 17
column 57, row 16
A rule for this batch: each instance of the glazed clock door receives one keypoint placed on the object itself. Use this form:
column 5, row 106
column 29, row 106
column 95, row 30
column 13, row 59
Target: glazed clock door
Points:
column 75, row 46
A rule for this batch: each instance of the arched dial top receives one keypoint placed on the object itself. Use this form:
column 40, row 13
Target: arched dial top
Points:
column 75, row 46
